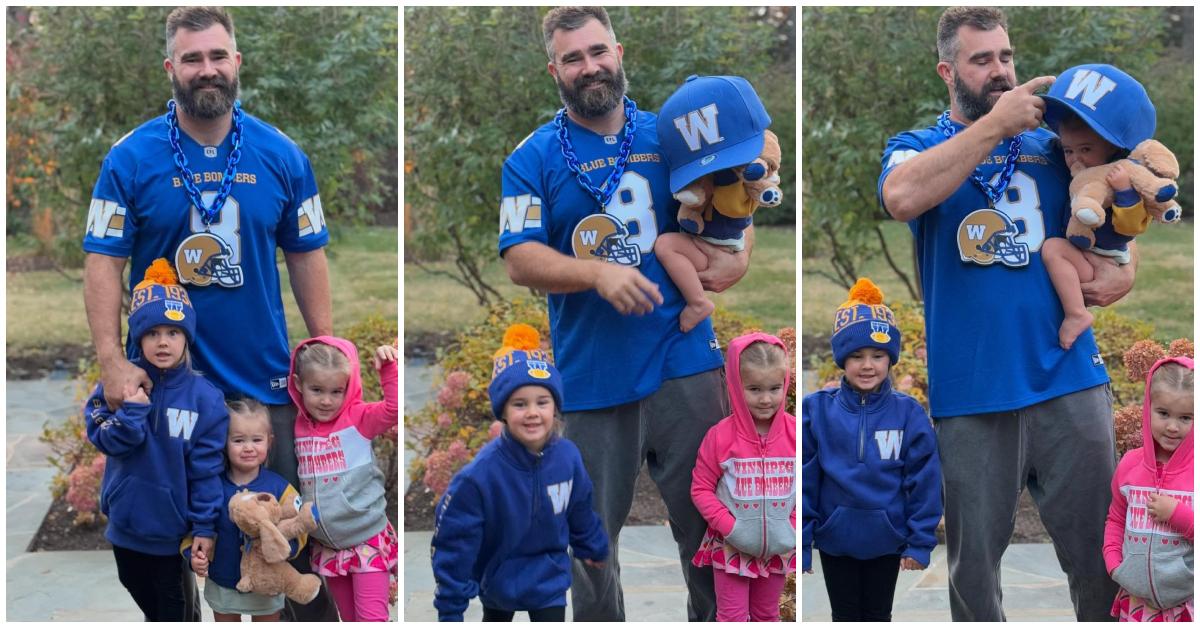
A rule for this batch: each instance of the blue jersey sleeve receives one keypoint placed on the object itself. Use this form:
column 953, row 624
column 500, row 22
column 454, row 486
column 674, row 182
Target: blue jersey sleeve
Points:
column 899, row 149
column 302, row 228
column 111, row 227
column 522, row 200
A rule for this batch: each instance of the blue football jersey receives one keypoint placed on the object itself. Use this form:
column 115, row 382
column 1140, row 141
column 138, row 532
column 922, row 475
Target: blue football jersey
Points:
column 606, row 359
column 140, row 209
column 991, row 313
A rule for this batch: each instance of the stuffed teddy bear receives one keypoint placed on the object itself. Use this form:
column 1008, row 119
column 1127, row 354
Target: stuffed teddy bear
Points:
column 266, row 528
column 733, row 192
column 1152, row 170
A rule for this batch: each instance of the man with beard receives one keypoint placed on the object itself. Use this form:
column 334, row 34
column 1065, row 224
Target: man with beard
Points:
column 981, row 190
column 214, row 191
column 584, row 197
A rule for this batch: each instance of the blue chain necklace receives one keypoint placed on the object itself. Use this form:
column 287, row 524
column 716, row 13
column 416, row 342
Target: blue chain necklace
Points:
column 207, row 214
column 604, row 193
column 996, row 192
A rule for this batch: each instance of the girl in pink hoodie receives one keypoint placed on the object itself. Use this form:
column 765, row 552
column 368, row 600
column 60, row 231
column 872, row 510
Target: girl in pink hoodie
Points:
column 744, row 484
column 354, row 545
column 1148, row 535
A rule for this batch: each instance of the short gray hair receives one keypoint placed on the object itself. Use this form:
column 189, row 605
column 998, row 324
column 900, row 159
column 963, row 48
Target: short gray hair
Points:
column 196, row 19
column 979, row 18
column 569, row 19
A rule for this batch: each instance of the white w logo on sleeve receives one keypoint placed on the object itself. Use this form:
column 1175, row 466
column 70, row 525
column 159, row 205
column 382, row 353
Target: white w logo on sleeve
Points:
column 182, row 422
column 1089, row 87
column 699, row 123
column 560, row 494
column 889, row 443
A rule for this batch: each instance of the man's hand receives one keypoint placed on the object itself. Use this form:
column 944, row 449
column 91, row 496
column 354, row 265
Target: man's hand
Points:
column 385, row 353
column 121, row 378
column 1111, row 282
column 1019, row 109
column 1161, row 507
column 627, row 289
column 725, row 267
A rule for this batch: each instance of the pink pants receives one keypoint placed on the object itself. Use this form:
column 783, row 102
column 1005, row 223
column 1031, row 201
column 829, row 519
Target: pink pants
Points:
column 361, row 596
column 753, row 599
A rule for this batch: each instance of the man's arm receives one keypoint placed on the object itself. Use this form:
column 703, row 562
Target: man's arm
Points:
column 1111, row 281
column 930, row 177
column 102, row 301
column 535, row 265
column 725, row 268
column 308, row 273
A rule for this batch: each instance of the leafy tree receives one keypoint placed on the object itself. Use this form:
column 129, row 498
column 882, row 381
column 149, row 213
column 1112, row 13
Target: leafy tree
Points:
column 869, row 74
column 81, row 77
column 476, row 85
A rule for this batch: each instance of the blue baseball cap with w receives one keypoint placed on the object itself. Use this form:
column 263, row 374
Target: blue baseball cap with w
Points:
column 1108, row 100
column 710, row 123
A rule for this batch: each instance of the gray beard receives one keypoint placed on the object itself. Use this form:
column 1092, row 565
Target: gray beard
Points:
column 590, row 103
column 202, row 104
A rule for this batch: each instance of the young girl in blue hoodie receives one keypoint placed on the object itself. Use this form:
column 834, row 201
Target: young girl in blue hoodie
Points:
column 505, row 522
column 164, row 450
column 872, row 481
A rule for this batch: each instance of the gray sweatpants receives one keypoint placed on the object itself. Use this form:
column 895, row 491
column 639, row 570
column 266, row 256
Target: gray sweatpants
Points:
column 664, row 429
column 1063, row 449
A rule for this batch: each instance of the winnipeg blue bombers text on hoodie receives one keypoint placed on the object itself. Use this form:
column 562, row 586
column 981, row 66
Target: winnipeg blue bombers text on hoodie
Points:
column 504, row 525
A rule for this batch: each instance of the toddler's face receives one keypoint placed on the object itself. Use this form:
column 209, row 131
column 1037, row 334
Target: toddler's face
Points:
column 248, row 440
column 163, row 346
column 1170, row 418
column 1081, row 145
column 866, row 368
column 529, row 414
column 322, row 391
column 762, row 388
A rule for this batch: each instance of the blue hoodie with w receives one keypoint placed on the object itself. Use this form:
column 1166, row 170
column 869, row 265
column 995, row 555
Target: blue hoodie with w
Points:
column 871, row 474
column 164, row 459
column 504, row 525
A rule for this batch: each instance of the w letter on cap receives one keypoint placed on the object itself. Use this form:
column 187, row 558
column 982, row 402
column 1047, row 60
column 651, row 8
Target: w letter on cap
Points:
column 1092, row 85
column 699, row 123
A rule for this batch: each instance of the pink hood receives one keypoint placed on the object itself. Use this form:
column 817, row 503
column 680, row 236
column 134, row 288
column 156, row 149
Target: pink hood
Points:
column 353, row 385
column 741, row 413
column 1181, row 458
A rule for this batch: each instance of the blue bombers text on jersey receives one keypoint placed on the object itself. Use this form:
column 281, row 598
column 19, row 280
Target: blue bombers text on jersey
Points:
column 605, row 359
column 991, row 313
column 139, row 209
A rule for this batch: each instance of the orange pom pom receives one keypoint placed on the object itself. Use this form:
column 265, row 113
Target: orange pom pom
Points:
column 522, row 337
column 159, row 272
column 865, row 291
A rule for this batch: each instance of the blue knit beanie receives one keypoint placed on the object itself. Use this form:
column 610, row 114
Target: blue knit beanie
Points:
column 159, row 300
column 521, row 362
column 864, row 321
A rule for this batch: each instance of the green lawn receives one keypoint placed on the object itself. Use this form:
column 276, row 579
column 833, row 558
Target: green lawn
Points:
column 767, row 292
column 44, row 308
column 1163, row 294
